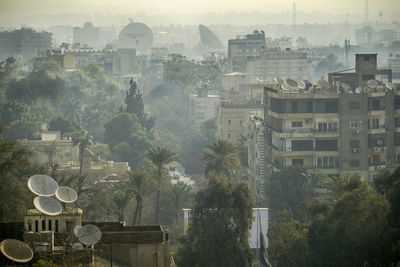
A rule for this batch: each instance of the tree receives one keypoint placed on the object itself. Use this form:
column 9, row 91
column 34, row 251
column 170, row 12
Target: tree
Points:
column 50, row 151
column 178, row 196
column 288, row 241
column 139, row 180
column 222, row 158
column 353, row 232
column 15, row 167
column 84, row 139
column 219, row 230
column 160, row 157
column 121, row 195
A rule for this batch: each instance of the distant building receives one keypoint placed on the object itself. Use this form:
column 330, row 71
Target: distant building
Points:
column 242, row 47
column 202, row 107
column 87, row 35
column 51, row 148
column 368, row 35
column 274, row 62
column 393, row 63
column 348, row 125
column 25, row 43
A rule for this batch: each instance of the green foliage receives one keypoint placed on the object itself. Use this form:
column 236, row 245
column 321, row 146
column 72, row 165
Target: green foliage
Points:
column 218, row 234
column 160, row 156
column 121, row 194
column 288, row 240
column 221, row 158
column 43, row 263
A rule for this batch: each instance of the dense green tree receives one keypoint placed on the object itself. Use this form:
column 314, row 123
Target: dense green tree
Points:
column 121, row 127
column 178, row 196
column 221, row 158
column 141, row 185
column 288, row 241
column 290, row 189
column 61, row 124
column 121, row 195
column 353, row 232
column 219, row 230
column 160, row 157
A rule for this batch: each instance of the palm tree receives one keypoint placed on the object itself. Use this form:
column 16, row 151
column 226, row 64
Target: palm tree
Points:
column 222, row 158
column 178, row 196
column 121, row 195
column 138, row 180
column 84, row 139
column 160, row 156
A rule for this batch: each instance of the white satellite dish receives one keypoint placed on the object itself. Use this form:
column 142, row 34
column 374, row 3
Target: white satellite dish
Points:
column 302, row 85
column 323, row 84
column 390, row 86
column 77, row 246
column 76, row 230
column 89, row 234
column 278, row 80
column 372, row 83
column 358, row 90
column 291, row 83
column 285, row 87
column 42, row 185
column 47, row 205
column 16, row 250
column 66, row 194
column 346, row 87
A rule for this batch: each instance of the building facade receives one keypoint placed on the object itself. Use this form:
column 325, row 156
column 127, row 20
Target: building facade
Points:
column 203, row 107
column 25, row 43
column 350, row 126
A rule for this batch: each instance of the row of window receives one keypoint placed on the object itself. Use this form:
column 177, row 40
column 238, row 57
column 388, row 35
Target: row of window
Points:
column 43, row 226
column 321, row 162
column 240, row 122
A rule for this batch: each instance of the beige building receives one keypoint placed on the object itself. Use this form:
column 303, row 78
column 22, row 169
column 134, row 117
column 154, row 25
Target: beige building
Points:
column 203, row 107
column 51, row 148
column 348, row 125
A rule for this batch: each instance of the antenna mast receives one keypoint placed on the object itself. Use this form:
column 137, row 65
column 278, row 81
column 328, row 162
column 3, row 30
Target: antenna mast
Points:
column 366, row 13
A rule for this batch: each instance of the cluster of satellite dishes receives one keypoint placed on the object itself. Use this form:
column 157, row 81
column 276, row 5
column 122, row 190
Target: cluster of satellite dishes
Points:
column 45, row 188
column 373, row 85
column 292, row 85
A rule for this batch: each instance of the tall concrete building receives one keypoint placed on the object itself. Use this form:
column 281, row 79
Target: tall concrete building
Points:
column 242, row 47
column 25, row 43
column 88, row 35
column 347, row 125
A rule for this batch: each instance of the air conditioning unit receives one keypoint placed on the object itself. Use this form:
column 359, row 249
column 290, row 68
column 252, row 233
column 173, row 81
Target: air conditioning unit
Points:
column 355, row 150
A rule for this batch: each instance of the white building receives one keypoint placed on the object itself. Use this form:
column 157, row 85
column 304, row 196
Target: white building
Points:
column 202, row 107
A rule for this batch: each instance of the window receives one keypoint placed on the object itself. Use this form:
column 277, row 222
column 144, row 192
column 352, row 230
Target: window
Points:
column 309, row 106
column 297, row 162
column 229, row 136
column 43, row 225
column 366, row 58
column 302, row 145
column 36, row 226
column 397, row 122
column 50, row 228
column 229, row 122
column 29, row 227
column 331, row 106
column 375, row 104
column 355, row 144
column 56, row 226
column 354, row 105
column 322, row 127
column 373, row 124
column 297, row 124
column 294, row 107
column 241, row 123
column 327, row 162
column 397, row 156
column 354, row 163
column 354, row 125
column 397, row 103
column 326, row 145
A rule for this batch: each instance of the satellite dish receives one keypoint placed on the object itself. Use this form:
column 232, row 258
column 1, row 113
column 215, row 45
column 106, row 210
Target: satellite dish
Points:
column 89, row 234
column 76, row 230
column 77, row 246
column 66, row 194
column 302, row 85
column 390, row 86
column 358, row 90
column 291, row 83
column 16, row 250
column 278, row 80
column 346, row 86
column 47, row 205
column 323, row 84
column 42, row 185
column 285, row 87
column 372, row 83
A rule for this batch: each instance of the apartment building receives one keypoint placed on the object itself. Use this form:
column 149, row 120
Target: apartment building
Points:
column 203, row 106
column 347, row 125
column 242, row 47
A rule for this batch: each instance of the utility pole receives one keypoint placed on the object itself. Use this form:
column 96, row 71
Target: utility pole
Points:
column 346, row 47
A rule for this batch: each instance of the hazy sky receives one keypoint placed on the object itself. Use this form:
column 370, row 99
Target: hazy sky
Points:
column 14, row 11
column 334, row 6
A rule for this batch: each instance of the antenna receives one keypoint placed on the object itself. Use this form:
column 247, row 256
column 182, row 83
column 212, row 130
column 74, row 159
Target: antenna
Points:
column 16, row 250
column 366, row 13
column 294, row 13
column 347, row 47
column 89, row 234
column 47, row 205
column 42, row 185
column 66, row 194
column 380, row 20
